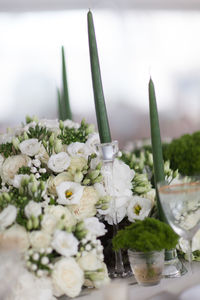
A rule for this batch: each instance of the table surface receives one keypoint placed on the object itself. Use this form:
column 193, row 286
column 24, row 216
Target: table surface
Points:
column 135, row 292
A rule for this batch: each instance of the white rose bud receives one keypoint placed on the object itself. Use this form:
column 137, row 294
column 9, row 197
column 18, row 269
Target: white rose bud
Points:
column 33, row 209
column 59, row 162
column 30, row 147
column 8, row 216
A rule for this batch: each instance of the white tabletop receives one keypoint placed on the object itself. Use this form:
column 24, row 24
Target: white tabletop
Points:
column 135, row 292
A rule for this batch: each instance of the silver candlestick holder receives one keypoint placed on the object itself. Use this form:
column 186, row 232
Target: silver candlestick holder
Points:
column 108, row 152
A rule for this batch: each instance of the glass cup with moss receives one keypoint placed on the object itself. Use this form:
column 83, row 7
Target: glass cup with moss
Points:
column 145, row 241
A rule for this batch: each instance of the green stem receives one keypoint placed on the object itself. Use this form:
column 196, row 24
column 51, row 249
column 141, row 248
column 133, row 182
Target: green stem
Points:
column 100, row 106
column 65, row 95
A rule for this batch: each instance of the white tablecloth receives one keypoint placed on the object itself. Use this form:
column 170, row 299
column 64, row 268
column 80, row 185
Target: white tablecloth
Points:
column 174, row 286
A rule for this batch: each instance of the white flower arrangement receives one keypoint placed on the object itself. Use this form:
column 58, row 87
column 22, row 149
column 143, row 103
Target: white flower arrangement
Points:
column 48, row 207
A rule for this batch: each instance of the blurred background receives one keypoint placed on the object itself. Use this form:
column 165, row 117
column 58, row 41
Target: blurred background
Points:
column 136, row 39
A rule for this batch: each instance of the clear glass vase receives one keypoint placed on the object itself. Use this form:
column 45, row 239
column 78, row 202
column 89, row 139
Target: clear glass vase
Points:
column 147, row 267
column 108, row 152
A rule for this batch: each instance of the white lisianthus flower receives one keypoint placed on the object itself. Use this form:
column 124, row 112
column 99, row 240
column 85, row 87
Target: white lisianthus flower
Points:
column 59, row 162
column 15, row 237
column 54, row 181
column 18, row 178
column 33, row 209
column 42, row 155
column 8, row 216
column 122, row 178
column 89, row 262
column 30, row 147
column 138, row 208
column 65, row 243
column 11, row 166
column 68, row 277
column 53, row 125
column 39, row 239
column 92, row 141
column 95, row 227
column 116, row 211
column 86, row 207
column 71, row 124
column 69, row 193
column 78, row 149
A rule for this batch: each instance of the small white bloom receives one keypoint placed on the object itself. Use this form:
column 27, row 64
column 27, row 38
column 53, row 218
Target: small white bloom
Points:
column 33, row 170
column 94, row 226
column 39, row 239
column 67, row 277
column 69, row 193
column 59, row 162
column 138, row 208
column 36, row 256
column 33, row 209
column 53, row 125
column 79, row 149
column 45, row 260
column 65, row 243
column 92, row 141
column 71, row 124
column 8, row 216
column 30, row 147
column 18, row 178
column 36, row 163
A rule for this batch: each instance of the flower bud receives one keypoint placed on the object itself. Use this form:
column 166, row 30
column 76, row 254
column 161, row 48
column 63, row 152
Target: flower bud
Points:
column 34, row 187
column 86, row 181
column 78, row 177
column 98, row 179
column 51, row 139
column 29, row 224
column 35, row 222
column 57, row 146
column 16, row 142
column 61, row 125
column 28, row 119
column 94, row 174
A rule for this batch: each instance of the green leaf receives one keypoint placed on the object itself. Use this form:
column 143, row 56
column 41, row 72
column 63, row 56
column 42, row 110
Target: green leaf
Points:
column 67, row 114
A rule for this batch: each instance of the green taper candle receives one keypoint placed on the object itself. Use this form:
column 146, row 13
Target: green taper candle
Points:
column 158, row 163
column 100, row 106
column 65, row 95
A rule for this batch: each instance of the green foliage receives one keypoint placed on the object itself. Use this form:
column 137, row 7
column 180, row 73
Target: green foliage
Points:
column 24, row 170
column 72, row 135
column 40, row 133
column 7, row 150
column 144, row 236
column 184, row 154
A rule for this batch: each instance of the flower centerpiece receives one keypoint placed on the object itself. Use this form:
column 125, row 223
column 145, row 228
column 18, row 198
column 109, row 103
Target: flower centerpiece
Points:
column 145, row 241
column 48, row 204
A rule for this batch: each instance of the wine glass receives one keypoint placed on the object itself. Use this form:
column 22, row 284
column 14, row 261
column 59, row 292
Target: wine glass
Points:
column 181, row 205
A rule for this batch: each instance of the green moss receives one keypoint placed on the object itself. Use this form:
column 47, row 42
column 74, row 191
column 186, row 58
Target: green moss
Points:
column 184, row 154
column 144, row 236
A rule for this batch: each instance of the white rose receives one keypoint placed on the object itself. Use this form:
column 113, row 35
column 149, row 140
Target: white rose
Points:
column 59, row 162
column 54, row 181
column 33, row 209
column 15, row 237
column 68, row 277
column 39, row 239
column 18, row 178
column 94, row 227
column 89, row 262
column 8, row 216
column 71, row 124
column 77, row 163
column 69, row 193
column 65, row 243
column 49, row 223
column 30, row 147
column 138, row 208
column 11, row 166
column 78, row 149
column 86, row 207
